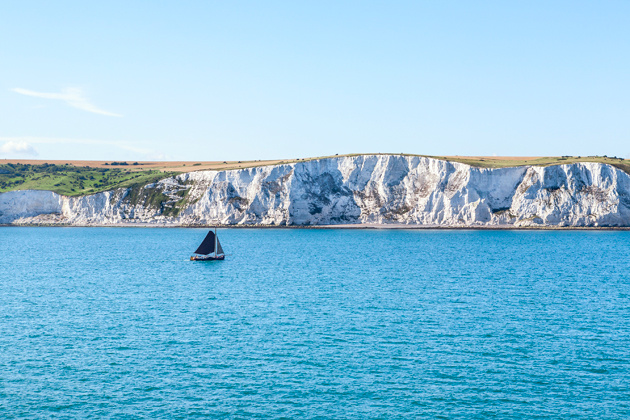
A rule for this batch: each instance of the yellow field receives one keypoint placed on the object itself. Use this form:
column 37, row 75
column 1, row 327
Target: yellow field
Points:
column 167, row 166
column 189, row 166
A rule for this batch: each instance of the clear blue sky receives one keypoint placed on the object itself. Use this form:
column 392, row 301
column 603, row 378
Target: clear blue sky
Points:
column 219, row 80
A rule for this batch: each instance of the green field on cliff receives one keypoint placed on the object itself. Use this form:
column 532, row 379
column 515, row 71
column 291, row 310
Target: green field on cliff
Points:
column 76, row 178
column 72, row 180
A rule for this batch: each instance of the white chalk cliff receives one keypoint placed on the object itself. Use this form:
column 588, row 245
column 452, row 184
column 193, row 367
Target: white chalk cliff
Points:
column 368, row 189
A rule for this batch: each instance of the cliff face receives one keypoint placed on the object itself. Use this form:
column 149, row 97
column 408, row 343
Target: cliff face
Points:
column 362, row 189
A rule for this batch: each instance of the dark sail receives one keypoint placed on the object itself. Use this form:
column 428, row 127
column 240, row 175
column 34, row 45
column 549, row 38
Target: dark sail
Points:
column 219, row 249
column 207, row 246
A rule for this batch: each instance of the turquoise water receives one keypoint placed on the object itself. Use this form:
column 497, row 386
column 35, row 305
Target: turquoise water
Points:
column 115, row 322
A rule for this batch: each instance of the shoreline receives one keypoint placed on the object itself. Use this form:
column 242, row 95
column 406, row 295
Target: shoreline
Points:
column 367, row 226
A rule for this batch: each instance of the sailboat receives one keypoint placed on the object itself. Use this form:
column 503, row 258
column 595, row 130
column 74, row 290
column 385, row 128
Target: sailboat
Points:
column 210, row 249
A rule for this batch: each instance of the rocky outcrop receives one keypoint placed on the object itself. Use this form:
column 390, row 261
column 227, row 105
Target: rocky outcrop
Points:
column 369, row 189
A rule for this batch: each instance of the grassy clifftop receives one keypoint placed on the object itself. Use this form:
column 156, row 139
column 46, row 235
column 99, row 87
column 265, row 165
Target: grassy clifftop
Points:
column 503, row 161
column 506, row 162
column 72, row 180
column 76, row 178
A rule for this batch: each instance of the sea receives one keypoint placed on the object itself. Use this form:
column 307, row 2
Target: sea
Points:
column 314, row 323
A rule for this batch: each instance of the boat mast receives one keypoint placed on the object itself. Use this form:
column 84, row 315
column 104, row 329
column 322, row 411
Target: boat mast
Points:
column 216, row 241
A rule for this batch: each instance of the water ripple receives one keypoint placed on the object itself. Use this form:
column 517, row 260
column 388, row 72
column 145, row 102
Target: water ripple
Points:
column 314, row 324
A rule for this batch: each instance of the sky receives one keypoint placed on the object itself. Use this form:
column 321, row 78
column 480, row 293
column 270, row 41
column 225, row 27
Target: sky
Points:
column 239, row 80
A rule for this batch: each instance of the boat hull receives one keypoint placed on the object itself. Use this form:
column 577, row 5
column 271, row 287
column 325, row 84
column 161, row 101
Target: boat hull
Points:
column 207, row 258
